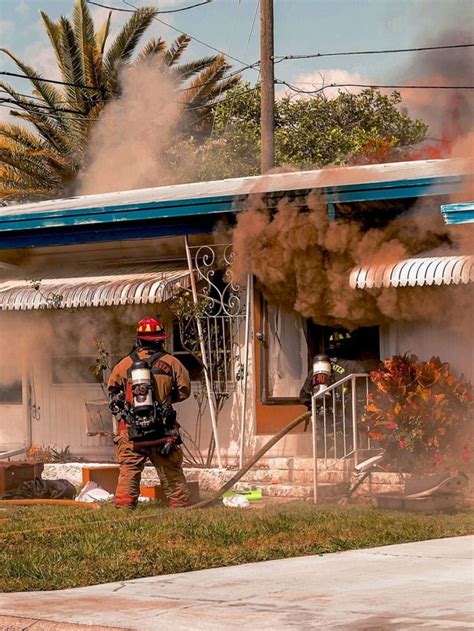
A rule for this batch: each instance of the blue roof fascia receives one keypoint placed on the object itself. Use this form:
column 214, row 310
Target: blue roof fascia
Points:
column 72, row 235
column 81, row 225
column 173, row 209
column 400, row 189
column 458, row 213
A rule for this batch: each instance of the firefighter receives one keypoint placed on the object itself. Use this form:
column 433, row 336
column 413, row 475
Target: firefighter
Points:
column 340, row 368
column 142, row 388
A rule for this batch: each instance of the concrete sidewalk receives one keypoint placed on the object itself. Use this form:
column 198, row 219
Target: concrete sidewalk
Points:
column 424, row 585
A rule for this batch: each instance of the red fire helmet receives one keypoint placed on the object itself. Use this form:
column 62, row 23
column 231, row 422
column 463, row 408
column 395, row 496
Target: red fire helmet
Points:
column 151, row 329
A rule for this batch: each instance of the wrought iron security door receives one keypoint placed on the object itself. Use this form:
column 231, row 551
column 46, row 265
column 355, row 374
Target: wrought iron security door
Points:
column 222, row 319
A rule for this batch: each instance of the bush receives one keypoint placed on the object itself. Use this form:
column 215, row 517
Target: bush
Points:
column 420, row 412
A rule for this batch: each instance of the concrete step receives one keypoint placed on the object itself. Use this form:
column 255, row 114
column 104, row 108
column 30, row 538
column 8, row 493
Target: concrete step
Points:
column 304, row 464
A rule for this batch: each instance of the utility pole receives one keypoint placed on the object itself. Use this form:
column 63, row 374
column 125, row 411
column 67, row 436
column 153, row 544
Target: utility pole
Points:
column 267, row 83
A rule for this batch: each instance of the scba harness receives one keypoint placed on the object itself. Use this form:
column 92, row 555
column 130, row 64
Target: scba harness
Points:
column 149, row 422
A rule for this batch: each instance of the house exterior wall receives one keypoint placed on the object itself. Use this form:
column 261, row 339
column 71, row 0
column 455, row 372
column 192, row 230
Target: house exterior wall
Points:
column 425, row 340
column 58, row 410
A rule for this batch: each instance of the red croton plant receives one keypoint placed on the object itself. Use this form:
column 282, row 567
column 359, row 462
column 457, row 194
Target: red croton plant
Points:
column 421, row 413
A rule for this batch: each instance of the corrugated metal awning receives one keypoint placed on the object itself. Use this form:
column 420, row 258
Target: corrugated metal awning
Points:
column 99, row 288
column 435, row 270
column 458, row 213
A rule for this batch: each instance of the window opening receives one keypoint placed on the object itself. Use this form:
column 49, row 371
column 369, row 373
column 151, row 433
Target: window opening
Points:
column 11, row 394
column 290, row 343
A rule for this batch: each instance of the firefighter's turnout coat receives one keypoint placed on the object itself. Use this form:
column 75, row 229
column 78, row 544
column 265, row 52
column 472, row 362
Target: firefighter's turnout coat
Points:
column 171, row 384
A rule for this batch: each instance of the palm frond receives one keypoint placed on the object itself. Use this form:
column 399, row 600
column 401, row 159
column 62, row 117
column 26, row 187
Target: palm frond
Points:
column 207, row 85
column 30, row 166
column 20, row 136
column 125, row 43
column 188, row 70
column 59, row 140
column 50, row 95
column 102, row 34
column 174, row 52
column 72, row 62
column 151, row 48
column 83, row 27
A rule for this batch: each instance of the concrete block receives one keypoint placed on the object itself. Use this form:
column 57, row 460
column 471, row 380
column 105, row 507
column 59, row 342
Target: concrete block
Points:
column 105, row 477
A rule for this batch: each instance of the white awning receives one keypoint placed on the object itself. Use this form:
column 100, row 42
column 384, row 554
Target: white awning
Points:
column 435, row 270
column 99, row 288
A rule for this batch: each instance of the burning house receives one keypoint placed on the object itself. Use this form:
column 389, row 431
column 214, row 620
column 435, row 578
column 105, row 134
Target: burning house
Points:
column 269, row 266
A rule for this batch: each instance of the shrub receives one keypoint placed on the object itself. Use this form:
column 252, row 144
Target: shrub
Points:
column 420, row 412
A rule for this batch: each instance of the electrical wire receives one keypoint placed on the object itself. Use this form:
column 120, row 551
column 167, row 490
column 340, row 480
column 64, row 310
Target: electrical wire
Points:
column 196, row 39
column 192, row 6
column 55, row 113
column 370, row 85
column 38, row 106
column 237, row 71
column 231, row 107
column 24, row 76
column 222, row 83
column 281, row 58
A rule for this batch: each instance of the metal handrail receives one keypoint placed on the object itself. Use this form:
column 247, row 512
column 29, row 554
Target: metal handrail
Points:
column 322, row 395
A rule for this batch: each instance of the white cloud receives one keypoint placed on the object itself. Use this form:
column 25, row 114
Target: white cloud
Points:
column 317, row 80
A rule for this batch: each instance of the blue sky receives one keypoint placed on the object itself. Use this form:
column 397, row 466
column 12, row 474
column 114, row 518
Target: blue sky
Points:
column 301, row 26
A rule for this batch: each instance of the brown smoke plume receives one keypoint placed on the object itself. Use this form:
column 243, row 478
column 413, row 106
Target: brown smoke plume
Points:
column 303, row 261
column 448, row 112
column 132, row 135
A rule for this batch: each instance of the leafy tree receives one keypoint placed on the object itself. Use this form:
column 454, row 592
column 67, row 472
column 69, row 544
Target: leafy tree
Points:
column 41, row 157
column 314, row 132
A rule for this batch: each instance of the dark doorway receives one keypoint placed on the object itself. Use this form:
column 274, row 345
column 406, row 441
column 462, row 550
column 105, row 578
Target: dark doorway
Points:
column 359, row 344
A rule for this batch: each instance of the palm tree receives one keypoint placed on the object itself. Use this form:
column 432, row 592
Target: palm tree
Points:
column 41, row 157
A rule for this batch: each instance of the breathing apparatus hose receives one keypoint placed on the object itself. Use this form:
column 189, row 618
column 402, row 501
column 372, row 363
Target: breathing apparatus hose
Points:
column 273, row 441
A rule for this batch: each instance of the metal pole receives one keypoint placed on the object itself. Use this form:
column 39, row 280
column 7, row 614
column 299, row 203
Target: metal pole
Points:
column 246, row 369
column 202, row 345
column 315, row 449
column 354, row 421
column 267, row 85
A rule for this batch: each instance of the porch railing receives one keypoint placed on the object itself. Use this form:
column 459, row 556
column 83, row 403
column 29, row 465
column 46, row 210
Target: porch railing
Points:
column 336, row 413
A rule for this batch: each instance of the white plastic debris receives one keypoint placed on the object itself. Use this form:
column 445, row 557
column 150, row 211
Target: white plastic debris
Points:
column 236, row 501
column 92, row 492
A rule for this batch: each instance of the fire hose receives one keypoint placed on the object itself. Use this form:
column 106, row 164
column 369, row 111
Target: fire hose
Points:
column 273, row 441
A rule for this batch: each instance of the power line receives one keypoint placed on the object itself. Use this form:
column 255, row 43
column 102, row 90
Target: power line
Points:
column 56, row 81
column 231, row 107
column 192, row 6
column 38, row 105
column 279, row 59
column 369, row 85
column 222, row 83
column 56, row 113
column 237, row 71
column 199, row 41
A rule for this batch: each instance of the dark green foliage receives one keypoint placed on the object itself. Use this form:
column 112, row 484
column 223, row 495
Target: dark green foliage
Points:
column 347, row 129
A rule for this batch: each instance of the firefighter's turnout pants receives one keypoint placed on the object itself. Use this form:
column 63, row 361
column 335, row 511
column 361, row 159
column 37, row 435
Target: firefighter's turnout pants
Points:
column 132, row 461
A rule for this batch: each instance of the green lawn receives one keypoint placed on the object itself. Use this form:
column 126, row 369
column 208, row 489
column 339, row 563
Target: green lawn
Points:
column 52, row 548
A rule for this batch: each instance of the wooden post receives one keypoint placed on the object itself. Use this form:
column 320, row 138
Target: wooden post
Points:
column 267, row 83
